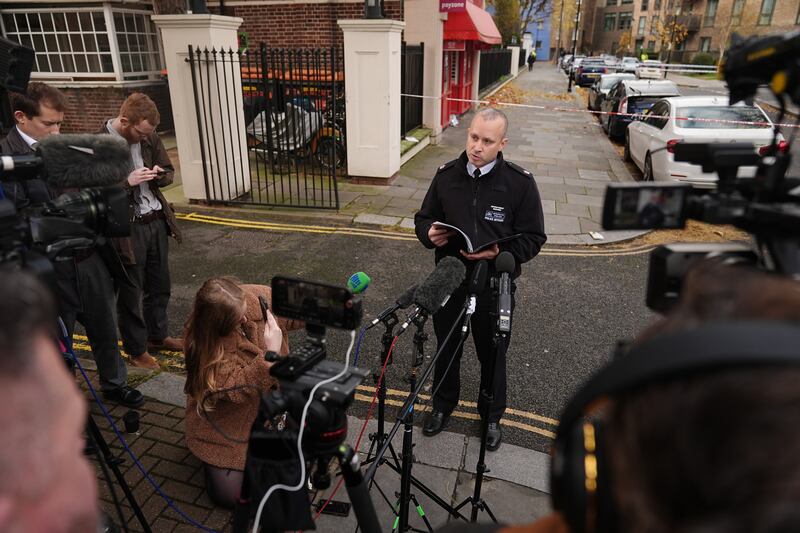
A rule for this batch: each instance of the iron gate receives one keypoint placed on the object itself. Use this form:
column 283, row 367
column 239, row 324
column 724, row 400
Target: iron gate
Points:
column 286, row 145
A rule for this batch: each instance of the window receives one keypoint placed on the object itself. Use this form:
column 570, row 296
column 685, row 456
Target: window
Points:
column 711, row 13
column 92, row 42
column 642, row 24
column 705, row 44
column 658, row 116
column 736, row 12
column 538, row 44
column 644, row 5
column 625, row 21
column 657, row 5
column 651, row 46
column 765, row 17
column 539, row 24
column 735, row 113
column 627, row 1
column 612, row 2
column 639, row 44
column 610, row 21
column 654, row 25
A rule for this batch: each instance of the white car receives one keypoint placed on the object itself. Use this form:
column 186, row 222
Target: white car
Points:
column 649, row 142
column 628, row 64
column 650, row 69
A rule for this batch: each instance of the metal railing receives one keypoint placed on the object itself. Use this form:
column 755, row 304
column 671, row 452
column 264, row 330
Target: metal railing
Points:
column 494, row 65
column 411, row 82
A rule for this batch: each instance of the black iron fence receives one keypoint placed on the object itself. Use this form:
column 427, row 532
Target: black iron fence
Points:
column 523, row 58
column 412, row 71
column 494, row 65
column 271, row 125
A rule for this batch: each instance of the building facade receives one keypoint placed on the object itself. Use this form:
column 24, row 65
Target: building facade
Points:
column 539, row 30
column 708, row 24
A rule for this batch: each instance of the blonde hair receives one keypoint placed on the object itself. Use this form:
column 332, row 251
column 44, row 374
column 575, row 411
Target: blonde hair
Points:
column 218, row 309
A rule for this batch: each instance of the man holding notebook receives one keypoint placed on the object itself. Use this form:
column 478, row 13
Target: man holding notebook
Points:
column 477, row 206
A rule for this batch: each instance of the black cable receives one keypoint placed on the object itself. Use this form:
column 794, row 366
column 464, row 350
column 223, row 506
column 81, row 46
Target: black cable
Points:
column 201, row 410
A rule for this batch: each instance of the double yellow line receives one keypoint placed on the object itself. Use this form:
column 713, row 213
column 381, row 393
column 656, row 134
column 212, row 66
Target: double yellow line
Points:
column 388, row 235
column 519, row 419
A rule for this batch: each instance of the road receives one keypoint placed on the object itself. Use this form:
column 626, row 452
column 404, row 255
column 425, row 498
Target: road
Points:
column 572, row 310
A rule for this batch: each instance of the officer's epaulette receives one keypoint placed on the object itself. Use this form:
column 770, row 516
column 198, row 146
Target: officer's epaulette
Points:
column 519, row 169
column 446, row 165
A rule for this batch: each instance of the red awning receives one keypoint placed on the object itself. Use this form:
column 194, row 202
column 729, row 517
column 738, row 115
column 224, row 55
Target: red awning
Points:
column 473, row 24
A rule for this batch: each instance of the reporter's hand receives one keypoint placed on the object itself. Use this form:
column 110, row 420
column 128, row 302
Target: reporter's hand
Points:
column 489, row 253
column 439, row 235
column 140, row 175
column 273, row 336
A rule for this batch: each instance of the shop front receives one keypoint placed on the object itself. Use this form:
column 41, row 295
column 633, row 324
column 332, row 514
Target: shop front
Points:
column 467, row 30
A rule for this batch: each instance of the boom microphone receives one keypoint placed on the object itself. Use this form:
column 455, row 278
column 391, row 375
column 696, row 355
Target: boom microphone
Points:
column 434, row 292
column 405, row 299
column 79, row 161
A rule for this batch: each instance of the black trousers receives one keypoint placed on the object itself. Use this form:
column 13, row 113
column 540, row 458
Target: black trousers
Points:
column 143, row 308
column 97, row 314
column 482, row 326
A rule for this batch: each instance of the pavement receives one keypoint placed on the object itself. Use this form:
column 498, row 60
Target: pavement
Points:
column 515, row 487
column 570, row 158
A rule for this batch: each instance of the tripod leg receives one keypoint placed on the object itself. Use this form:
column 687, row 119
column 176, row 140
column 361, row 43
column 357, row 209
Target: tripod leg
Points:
column 112, row 462
column 92, row 448
column 421, row 512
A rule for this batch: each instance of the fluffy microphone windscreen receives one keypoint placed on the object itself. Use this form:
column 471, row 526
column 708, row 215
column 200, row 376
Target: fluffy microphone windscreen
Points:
column 505, row 263
column 358, row 282
column 446, row 278
column 407, row 298
column 77, row 161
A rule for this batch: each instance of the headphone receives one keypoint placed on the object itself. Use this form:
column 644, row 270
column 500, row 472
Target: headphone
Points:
column 580, row 481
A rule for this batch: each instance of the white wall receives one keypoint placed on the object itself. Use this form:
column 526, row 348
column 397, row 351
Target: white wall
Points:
column 424, row 24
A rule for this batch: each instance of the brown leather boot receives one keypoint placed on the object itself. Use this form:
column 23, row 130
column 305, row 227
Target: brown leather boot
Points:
column 145, row 360
column 169, row 343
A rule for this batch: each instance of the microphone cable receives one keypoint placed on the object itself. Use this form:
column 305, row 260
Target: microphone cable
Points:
column 358, row 345
column 67, row 343
column 301, row 483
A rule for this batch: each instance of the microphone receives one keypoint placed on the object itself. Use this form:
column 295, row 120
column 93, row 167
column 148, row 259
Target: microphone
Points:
column 476, row 286
column 81, row 160
column 434, row 292
column 505, row 265
column 358, row 282
column 402, row 302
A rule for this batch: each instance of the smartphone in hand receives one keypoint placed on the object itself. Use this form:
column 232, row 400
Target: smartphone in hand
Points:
column 264, row 307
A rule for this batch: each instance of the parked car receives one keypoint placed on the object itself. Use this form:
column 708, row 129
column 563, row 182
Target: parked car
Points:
column 589, row 71
column 632, row 96
column 650, row 69
column 574, row 64
column 600, row 88
column 565, row 59
column 628, row 64
column 649, row 142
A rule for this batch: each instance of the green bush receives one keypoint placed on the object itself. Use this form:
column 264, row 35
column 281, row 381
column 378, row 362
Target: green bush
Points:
column 703, row 58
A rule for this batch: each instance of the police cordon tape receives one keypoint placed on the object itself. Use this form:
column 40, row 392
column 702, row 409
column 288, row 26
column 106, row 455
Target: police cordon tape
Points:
column 492, row 103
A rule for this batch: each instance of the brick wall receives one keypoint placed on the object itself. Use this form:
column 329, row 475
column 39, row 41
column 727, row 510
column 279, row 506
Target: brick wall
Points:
column 300, row 25
column 89, row 106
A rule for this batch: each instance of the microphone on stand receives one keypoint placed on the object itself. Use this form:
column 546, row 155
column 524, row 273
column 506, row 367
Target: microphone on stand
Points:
column 505, row 264
column 434, row 292
column 476, row 286
column 403, row 301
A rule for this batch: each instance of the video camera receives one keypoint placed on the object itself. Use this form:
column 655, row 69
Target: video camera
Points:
column 766, row 206
column 272, row 454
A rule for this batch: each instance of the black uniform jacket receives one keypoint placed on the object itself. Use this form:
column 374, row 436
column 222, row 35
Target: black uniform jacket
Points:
column 502, row 203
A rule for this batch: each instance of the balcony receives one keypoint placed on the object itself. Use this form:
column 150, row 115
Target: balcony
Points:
column 692, row 22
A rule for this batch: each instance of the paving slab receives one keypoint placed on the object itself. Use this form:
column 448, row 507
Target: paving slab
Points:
column 381, row 220
column 522, row 466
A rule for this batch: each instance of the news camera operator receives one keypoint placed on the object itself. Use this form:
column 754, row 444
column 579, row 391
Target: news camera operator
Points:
column 489, row 198
column 38, row 113
column 710, row 448
column 226, row 338
column 46, row 482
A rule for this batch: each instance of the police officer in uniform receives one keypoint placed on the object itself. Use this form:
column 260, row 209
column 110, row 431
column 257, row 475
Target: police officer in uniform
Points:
column 488, row 198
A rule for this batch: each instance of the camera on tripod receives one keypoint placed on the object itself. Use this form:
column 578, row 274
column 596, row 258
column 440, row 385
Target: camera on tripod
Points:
column 767, row 206
column 315, row 429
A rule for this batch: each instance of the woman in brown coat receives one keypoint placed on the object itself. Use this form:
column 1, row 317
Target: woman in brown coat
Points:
column 226, row 338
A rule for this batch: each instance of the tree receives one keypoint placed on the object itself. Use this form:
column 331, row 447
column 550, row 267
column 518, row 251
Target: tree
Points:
column 563, row 18
column 625, row 42
column 744, row 26
column 506, row 16
column 671, row 33
column 528, row 11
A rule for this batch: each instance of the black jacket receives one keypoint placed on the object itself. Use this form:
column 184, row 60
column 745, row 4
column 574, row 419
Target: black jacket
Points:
column 25, row 192
column 502, row 203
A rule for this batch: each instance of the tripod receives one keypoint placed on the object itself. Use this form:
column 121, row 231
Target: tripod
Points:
column 499, row 346
column 98, row 446
column 405, row 418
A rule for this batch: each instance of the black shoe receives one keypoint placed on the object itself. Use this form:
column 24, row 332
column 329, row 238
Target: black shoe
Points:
column 124, row 396
column 435, row 422
column 494, row 437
